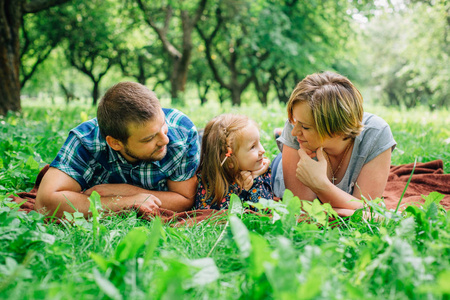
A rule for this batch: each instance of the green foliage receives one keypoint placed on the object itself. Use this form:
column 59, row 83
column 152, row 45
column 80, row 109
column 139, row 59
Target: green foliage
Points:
column 407, row 54
column 281, row 253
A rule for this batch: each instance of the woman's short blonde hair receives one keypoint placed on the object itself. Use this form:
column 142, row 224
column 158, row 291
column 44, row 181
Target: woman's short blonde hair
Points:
column 336, row 104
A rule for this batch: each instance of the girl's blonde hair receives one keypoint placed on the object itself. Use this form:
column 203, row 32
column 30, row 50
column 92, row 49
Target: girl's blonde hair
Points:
column 336, row 104
column 221, row 134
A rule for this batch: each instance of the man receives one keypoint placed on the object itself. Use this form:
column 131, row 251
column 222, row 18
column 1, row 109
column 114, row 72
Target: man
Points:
column 133, row 153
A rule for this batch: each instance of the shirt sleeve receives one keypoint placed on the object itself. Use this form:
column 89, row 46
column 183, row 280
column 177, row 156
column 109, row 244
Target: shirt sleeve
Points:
column 73, row 159
column 190, row 160
column 383, row 142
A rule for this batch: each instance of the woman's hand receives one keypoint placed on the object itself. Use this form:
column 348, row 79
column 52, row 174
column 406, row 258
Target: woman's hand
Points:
column 312, row 173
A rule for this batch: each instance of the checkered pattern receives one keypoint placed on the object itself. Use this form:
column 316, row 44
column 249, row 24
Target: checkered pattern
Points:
column 87, row 158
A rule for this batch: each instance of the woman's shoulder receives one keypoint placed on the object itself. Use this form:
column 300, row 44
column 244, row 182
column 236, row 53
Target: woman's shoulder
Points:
column 375, row 138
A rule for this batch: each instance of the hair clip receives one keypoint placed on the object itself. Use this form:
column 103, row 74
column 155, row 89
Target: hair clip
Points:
column 226, row 156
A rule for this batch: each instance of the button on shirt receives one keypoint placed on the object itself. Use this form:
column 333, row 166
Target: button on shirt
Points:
column 87, row 158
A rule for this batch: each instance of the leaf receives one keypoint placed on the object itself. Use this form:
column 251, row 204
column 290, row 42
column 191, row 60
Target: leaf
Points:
column 313, row 285
column 106, row 286
column 155, row 236
column 208, row 271
column 260, row 255
column 433, row 197
column 100, row 260
column 442, row 281
column 131, row 243
column 282, row 273
column 293, row 206
column 169, row 281
column 78, row 215
column 407, row 227
column 32, row 164
column 95, row 204
column 432, row 212
column 279, row 207
column 240, row 236
column 236, row 207
column 68, row 216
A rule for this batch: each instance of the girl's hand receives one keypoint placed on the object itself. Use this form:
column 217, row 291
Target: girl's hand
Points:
column 264, row 167
column 247, row 180
column 312, row 173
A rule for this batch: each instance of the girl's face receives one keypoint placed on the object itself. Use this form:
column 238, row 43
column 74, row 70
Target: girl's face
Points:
column 304, row 127
column 251, row 152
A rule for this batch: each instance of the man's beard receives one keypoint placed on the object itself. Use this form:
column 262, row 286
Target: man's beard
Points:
column 147, row 159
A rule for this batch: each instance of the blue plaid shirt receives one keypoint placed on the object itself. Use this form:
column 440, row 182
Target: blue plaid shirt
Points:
column 87, row 158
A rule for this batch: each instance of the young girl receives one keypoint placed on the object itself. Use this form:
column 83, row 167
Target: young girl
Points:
column 231, row 162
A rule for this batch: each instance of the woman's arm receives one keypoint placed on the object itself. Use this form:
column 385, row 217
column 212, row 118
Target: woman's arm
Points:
column 373, row 177
column 371, row 181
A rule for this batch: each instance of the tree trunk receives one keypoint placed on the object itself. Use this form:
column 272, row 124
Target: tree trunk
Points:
column 180, row 66
column 95, row 92
column 11, row 14
column 236, row 95
column 141, row 76
column 10, row 20
column 180, row 60
column 262, row 89
column 175, row 79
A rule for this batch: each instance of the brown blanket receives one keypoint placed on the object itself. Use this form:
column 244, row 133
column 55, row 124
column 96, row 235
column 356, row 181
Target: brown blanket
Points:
column 428, row 177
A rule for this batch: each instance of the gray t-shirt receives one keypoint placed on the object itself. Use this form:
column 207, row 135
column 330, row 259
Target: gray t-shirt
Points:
column 375, row 138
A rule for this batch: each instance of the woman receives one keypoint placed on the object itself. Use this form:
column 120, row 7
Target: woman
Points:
column 331, row 149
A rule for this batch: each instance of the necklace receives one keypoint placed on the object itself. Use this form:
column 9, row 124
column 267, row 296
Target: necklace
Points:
column 333, row 173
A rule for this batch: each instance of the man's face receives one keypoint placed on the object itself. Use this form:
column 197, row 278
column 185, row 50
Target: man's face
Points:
column 146, row 142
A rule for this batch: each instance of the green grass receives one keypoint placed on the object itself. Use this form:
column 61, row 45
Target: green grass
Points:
column 401, row 256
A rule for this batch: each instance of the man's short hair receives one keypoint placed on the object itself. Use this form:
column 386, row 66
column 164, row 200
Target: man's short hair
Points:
column 123, row 104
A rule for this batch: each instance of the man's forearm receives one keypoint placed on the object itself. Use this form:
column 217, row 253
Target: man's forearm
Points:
column 174, row 201
column 64, row 200
column 116, row 189
column 170, row 200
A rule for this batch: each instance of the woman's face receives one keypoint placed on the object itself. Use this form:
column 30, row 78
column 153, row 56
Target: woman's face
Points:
column 304, row 127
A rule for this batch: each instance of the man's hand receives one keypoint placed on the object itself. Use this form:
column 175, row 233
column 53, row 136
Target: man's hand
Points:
column 248, row 180
column 146, row 201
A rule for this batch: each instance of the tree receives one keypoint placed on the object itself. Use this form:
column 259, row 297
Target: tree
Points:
column 407, row 55
column 274, row 42
column 147, row 62
column 11, row 15
column 200, row 74
column 161, row 19
column 40, row 37
column 229, row 53
column 93, row 34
